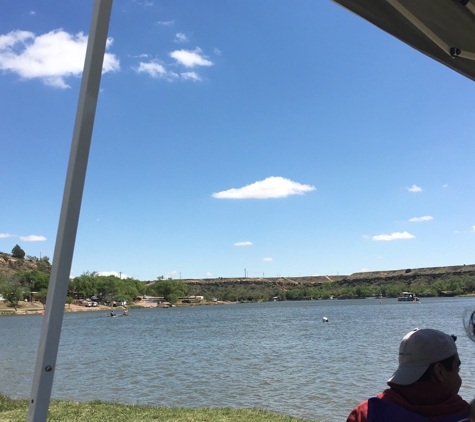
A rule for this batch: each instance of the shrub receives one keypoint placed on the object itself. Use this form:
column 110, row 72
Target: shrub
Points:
column 18, row 252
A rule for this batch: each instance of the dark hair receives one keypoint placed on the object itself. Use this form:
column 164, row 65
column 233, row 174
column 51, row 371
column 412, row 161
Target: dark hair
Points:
column 446, row 363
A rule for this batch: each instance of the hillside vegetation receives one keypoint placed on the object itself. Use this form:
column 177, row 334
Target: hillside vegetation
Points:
column 28, row 278
column 436, row 281
column 9, row 264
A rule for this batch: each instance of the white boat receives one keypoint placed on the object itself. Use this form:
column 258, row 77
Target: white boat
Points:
column 407, row 297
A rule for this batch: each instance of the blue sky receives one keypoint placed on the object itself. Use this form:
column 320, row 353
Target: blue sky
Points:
column 284, row 138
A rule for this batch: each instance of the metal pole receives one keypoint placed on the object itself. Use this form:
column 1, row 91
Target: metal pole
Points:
column 70, row 209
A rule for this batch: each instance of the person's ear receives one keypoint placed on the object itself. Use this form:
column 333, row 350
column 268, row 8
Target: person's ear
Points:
column 438, row 372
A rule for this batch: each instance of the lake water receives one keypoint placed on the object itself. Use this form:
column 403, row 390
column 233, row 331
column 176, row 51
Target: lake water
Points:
column 277, row 356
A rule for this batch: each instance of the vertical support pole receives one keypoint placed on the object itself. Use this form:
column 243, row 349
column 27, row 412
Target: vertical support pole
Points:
column 70, row 209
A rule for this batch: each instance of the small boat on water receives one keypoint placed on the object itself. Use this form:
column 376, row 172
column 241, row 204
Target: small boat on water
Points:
column 408, row 297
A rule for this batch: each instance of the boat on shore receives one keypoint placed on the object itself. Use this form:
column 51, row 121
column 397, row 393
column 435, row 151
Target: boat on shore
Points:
column 408, row 297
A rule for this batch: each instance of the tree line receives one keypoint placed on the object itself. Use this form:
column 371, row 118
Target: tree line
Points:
column 443, row 285
column 34, row 284
column 24, row 284
column 28, row 284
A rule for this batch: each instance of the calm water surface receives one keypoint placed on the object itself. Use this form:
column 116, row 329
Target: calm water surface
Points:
column 276, row 356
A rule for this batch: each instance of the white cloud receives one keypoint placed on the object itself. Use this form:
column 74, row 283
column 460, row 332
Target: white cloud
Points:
column 473, row 228
column 414, row 188
column 419, row 219
column 191, row 76
column 393, row 236
column 272, row 187
column 364, row 270
column 30, row 238
column 243, row 244
column 445, row 185
column 114, row 273
column 217, row 51
column 166, row 23
column 153, row 69
column 180, row 37
column 157, row 70
column 268, row 259
column 32, row 12
column 208, row 274
column 33, row 238
column 145, row 3
column 190, row 58
column 49, row 57
column 172, row 274
column 140, row 56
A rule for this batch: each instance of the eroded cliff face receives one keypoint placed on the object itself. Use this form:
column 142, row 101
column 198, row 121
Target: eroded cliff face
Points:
column 9, row 265
column 414, row 275
column 294, row 281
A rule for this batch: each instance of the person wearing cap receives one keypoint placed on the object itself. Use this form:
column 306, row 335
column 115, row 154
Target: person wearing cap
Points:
column 425, row 385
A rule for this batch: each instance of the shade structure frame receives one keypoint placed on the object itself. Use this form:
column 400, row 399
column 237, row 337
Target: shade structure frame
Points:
column 69, row 216
column 444, row 30
column 452, row 51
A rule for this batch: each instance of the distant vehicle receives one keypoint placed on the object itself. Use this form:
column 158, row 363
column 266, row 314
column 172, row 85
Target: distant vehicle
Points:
column 88, row 304
column 407, row 297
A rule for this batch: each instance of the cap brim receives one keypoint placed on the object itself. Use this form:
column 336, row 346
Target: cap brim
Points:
column 406, row 375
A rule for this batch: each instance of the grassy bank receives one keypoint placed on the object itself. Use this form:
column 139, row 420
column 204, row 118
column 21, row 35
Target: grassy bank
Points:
column 16, row 410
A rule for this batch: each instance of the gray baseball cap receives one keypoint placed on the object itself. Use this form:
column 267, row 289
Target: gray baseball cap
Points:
column 418, row 349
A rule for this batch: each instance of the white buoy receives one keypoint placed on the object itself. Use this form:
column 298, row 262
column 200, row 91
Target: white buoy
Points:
column 325, row 319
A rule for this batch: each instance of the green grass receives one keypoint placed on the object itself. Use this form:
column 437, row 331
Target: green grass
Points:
column 16, row 410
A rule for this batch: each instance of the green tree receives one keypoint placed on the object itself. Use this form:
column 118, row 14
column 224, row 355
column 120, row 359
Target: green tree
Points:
column 108, row 285
column 35, row 280
column 42, row 296
column 18, row 252
column 69, row 300
column 126, row 290
column 171, row 290
column 40, row 281
column 12, row 291
column 85, row 284
column 469, row 284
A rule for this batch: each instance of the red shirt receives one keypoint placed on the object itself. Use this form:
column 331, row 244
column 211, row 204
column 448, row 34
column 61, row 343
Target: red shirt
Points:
column 427, row 399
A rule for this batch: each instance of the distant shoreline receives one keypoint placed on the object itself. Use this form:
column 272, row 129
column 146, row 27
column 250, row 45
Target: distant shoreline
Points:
column 37, row 308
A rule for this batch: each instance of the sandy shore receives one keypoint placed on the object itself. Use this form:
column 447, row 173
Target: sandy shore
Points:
column 27, row 308
column 37, row 308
